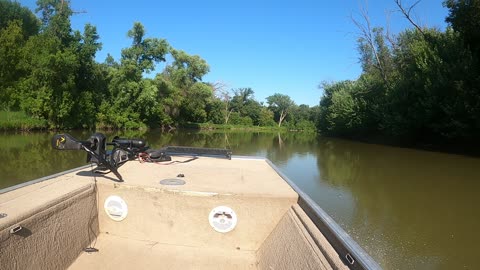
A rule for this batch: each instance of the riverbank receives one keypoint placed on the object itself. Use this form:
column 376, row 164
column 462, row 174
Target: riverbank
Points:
column 225, row 127
column 20, row 121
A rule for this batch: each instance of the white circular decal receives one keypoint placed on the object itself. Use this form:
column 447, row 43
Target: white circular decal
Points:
column 223, row 219
column 116, row 208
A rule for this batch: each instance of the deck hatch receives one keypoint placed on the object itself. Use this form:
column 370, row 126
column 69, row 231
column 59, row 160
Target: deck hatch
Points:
column 172, row 182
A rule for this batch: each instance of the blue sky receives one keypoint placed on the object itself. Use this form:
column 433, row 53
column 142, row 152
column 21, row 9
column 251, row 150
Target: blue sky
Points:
column 286, row 47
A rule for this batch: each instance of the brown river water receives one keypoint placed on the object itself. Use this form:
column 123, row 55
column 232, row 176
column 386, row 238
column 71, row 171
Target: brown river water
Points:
column 409, row 209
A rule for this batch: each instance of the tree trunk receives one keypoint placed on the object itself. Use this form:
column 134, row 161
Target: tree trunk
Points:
column 283, row 114
column 227, row 116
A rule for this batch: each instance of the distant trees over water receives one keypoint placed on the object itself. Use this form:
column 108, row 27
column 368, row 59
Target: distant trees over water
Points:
column 422, row 85
column 48, row 71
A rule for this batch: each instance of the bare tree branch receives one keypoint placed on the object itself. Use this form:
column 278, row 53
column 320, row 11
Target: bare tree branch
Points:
column 367, row 33
column 219, row 87
column 412, row 6
column 406, row 13
column 389, row 36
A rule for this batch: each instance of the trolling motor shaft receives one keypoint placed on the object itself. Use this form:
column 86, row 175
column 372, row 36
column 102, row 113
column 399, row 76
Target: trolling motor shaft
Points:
column 96, row 148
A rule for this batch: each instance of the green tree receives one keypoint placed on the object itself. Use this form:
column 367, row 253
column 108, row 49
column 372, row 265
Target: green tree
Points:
column 47, row 90
column 436, row 96
column 184, row 96
column 55, row 18
column 89, row 79
column 266, row 118
column 216, row 111
column 194, row 107
column 170, row 98
column 132, row 101
column 252, row 109
column 245, row 104
column 17, row 25
column 464, row 17
column 186, row 69
column 50, row 63
column 339, row 111
column 11, row 41
column 280, row 104
column 241, row 97
column 13, row 11
column 301, row 118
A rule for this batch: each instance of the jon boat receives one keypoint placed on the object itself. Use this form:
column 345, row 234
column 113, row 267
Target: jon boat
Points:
column 223, row 212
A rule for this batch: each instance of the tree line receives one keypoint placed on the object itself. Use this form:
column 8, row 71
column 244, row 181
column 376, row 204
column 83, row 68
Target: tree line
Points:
column 49, row 72
column 422, row 85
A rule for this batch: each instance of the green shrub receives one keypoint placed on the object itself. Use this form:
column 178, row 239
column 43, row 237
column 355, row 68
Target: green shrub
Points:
column 20, row 121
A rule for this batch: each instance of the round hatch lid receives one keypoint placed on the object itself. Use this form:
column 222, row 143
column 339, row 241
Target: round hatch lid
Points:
column 223, row 219
column 116, row 208
column 172, row 182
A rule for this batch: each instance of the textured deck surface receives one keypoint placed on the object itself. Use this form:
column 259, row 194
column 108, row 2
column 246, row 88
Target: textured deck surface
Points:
column 247, row 177
column 121, row 253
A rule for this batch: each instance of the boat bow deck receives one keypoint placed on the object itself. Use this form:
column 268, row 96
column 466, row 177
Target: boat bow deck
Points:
column 167, row 226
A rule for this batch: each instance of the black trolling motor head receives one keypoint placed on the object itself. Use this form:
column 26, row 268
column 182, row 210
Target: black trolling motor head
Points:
column 96, row 148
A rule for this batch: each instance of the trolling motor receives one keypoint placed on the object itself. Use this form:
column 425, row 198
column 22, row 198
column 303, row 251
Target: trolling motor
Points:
column 128, row 149
column 96, row 148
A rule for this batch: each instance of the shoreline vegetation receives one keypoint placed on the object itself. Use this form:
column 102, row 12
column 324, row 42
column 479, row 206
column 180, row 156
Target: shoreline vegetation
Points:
column 419, row 88
column 19, row 121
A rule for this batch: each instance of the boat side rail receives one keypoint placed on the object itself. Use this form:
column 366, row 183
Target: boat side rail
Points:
column 354, row 256
column 42, row 179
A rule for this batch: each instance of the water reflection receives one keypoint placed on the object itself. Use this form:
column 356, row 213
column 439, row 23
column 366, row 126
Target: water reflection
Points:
column 413, row 209
column 409, row 209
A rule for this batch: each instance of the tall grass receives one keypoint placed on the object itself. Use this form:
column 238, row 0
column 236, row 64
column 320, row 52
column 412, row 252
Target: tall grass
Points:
column 20, row 121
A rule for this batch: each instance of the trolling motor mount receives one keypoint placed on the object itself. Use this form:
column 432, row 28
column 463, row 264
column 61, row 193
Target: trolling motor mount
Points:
column 96, row 148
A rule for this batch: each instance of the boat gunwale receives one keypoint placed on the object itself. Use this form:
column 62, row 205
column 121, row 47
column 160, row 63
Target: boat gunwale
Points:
column 42, row 179
column 343, row 244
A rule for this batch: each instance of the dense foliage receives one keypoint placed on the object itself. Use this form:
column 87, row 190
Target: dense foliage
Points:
column 421, row 86
column 48, row 73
